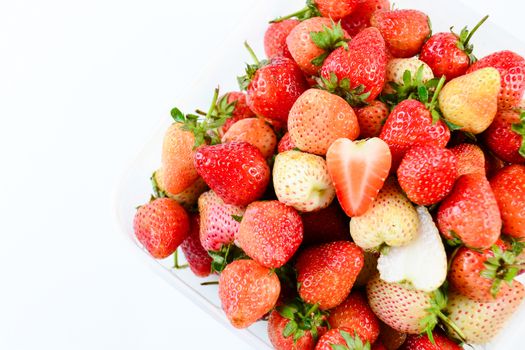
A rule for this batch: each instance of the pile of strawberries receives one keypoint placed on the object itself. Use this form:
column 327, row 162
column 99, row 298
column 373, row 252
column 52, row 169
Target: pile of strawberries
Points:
column 367, row 191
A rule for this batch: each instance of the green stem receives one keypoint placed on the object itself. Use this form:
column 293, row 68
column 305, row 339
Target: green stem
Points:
column 313, row 309
column 295, row 14
column 439, row 86
column 213, row 103
column 452, row 325
column 252, row 53
column 517, row 266
column 210, row 283
column 200, row 112
column 176, row 261
column 452, row 256
column 480, row 23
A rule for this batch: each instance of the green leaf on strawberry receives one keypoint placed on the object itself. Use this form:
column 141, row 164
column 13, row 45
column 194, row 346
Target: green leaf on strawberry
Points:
column 309, row 11
column 302, row 318
column 251, row 69
column 355, row 97
column 328, row 39
column 464, row 39
column 226, row 255
column 519, row 128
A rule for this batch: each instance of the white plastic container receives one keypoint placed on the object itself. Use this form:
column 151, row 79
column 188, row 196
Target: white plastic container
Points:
column 135, row 187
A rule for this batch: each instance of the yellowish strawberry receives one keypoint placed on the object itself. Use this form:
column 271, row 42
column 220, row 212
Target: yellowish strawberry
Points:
column 396, row 72
column 471, row 101
column 391, row 220
column 187, row 198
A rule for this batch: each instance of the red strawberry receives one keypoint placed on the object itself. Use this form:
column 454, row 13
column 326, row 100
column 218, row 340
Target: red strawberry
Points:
column 236, row 171
column 371, row 118
column 511, row 68
column 410, row 124
column 318, row 118
column 196, row 256
column 273, row 87
column 505, row 137
column 326, row 273
column 427, row 174
column 486, row 275
column 285, row 144
column 354, row 313
column 422, row 342
column 270, row 233
column 161, row 226
column 217, row 224
column 389, row 337
column 247, row 291
column 275, row 38
column 325, row 225
column 450, row 54
column 336, row 9
column 378, row 345
column 470, row 213
column 404, row 31
column 492, row 164
column 240, row 110
column 312, row 40
column 254, row 131
column 362, row 63
column 470, row 159
column 358, row 171
column 359, row 19
column 343, row 337
column 509, row 188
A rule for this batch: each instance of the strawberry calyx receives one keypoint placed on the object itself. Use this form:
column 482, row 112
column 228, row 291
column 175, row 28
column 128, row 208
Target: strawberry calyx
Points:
column 352, row 343
column 176, row 264
column 226, row 255
column 309, row 11
column 502, row 267
column 251, row 69
column 303, row 317
column 157, row 191
column 464, row 39
column 356, row 97
column 328, row 39
column 519, row 128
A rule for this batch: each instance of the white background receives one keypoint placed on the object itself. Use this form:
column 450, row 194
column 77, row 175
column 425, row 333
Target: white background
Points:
column 82, row 87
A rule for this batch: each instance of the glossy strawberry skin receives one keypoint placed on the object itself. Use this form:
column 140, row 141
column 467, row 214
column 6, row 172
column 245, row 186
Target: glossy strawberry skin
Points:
column 196, row 256
column 276, row 326
column 422, row 342
column 161, row 226
column 285, row 144
column 371, row 118
column 427, row 174
column 410, row 124
column 502, row 140
column 336, row 9
column 364, row 63
column 275, row 38
column 236, row 171
column 511, row 68
column 326, row 273
column 333, row 337
column 241, row 111
column 470, row 159
column 359, row 19
column 471, row 212
column 275, row 88
column 444, row 57
column 404, row 31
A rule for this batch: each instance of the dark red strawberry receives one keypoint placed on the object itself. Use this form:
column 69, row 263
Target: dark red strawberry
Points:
column 196, row 256
column 359, row 19
column 505, row 137
column 325, row 225
column 161, row 226
column 422, row 342
column 275, row 38
column 341, row 338
column 240, row 109
column 286, row 144
column 236, row 171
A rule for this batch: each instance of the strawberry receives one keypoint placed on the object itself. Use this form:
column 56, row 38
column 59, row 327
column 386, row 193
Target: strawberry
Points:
column 240, row 109
column 470, row 213
column 326, row 273
column 296, row 326
column 275, row 38
column 247, row 292
column 359, row 19
column 236, row 171
column 480, row 275
column 391, row 219
column 397, row 76
column 187, row 198
column 450, row 54
column 378, row 345
column 404, row 31
column 341, row 338
column 358, row 171
column 422, row 342
column 492, row 164
column 318, row 118
column 363, row 63
column 427, row 174
column 410, row 124
column 509, row 188
column 272, row 86
column 218, row 226
column 511, row 68
column 469, row 159
column 369, row 269
column 371, row 118
column 354, row 313
column 196, row 256
column 161, row 226
column 389, row 337
column 270, row 233
column 312, row 40
column 325, row 225
column 285, row 144
column 471, row 101
column 480, row 322
column 334, row 9
column 505, row 137
column 254, row 131
column 301, row 180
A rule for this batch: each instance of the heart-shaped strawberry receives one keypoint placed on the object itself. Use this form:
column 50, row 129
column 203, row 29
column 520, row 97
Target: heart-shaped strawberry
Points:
column 358, row 171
